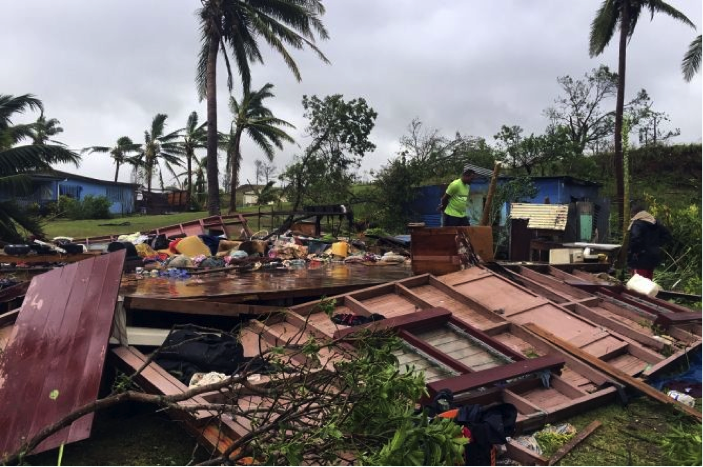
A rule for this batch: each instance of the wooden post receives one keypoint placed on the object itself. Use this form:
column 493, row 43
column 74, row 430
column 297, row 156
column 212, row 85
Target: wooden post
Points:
column 489, row 197
column 612, row 371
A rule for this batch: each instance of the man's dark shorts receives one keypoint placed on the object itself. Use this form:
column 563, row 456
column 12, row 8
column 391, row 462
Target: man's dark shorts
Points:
column 451, row 221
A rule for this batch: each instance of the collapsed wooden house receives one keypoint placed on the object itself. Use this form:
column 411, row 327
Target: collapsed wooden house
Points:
column 470, row 331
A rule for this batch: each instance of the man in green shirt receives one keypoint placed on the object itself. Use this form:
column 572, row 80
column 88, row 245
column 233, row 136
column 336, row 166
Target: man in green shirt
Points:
column 454, row 201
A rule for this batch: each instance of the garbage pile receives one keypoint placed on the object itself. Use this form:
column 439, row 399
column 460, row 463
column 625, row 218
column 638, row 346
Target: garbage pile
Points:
column 287, row 251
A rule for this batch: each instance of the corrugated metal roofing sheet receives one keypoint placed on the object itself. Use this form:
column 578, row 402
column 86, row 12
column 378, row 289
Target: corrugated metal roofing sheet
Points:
column 541, row 216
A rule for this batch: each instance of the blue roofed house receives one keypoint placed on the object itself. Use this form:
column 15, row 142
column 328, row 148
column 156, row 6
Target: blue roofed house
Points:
column 48, row 186
column 552, row 190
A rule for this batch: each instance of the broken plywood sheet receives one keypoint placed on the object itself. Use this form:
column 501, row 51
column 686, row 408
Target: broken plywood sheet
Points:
column 54, row 359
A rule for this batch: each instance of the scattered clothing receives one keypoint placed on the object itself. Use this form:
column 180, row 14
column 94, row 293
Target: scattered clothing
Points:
column 204, row 379
column 212, row 242
column 189, row 350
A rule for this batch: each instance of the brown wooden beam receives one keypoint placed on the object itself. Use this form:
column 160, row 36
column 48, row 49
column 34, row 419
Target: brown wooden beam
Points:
column 498, row 374
column 9, row 318
column 196, row 307
column 612, row 371
column 524, row 456
column 434, row 316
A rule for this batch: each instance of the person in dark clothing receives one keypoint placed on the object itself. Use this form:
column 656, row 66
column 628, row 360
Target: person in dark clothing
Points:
column 647, row 236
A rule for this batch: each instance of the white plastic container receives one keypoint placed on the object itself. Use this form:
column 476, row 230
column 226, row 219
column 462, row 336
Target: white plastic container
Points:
column 683, row 398
column 643, row 285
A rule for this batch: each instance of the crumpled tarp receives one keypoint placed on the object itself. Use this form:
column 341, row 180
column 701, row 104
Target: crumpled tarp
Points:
column 690, row 378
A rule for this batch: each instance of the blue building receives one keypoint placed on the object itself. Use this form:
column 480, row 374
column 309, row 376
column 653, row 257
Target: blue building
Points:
column 554, row 190
column 48, row 186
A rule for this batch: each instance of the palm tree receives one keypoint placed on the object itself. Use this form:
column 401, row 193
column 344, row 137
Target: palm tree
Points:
column 120, row 152
column 194, row 137
column 159, row 147
column 623, row 13
column 692, row 60
column 42, row 129
column 17, row 160
column 237, row 26
column 252, row 116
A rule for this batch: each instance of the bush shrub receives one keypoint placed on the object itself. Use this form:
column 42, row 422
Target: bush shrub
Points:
column 91, row 207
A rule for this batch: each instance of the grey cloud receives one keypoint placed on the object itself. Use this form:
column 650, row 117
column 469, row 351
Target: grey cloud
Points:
column 106, row 68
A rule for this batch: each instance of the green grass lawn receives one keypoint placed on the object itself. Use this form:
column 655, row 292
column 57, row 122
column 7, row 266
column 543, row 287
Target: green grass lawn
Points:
column 92, row 228
column 139, row 223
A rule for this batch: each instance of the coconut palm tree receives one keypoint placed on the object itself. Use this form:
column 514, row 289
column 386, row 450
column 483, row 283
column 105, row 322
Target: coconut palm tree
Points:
column 194, row 137
column 692, row 60
column 623, row 14
column 159, row 147
column 253, row 117
column 43, row 129
column 18, row 159
column 237, row 26
column 120, row 152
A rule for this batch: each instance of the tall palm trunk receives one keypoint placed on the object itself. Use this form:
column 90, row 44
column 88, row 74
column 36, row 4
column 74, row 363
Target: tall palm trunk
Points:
column 619, row 110
column 213, row 192
column 235, row 160
column 190, row 180
column 117, row 170
column 149, row 173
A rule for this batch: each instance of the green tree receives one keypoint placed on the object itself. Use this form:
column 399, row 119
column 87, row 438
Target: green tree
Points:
column 252, row 117
column 623, row 14
column 43, row 130
column 340, row 138
column 237, row 26
column 18, row 158
column 579, row 108
column 692, row 60
column 120, row 152
column 159, row 147
column 194, row 137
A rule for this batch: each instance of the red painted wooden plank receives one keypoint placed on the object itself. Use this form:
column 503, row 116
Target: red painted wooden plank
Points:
column 465, row 382
column 435, row 316
column 59, row 376
column 98, row 337
column 26, row 358
column 59, row 344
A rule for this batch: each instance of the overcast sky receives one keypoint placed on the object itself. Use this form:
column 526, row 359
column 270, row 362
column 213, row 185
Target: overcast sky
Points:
column 105, row 68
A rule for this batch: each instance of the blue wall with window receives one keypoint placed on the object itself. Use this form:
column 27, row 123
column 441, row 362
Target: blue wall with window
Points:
column 121, row 196
column 47, row 186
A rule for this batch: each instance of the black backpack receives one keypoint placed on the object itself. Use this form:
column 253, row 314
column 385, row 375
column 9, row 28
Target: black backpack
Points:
column 188, row 350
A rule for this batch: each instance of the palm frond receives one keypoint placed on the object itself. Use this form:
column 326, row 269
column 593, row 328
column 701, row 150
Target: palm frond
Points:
column 21, row 159
column 19, row 184
column 13, row 218
column 157, row 125
column 603, row 27
column 100, row 149
column 17, row 104
column 692, row 60
column 263, row 142
column 660, row 6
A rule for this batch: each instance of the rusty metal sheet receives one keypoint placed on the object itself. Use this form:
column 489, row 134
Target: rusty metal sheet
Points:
column 261, row 285
column 53, row 362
